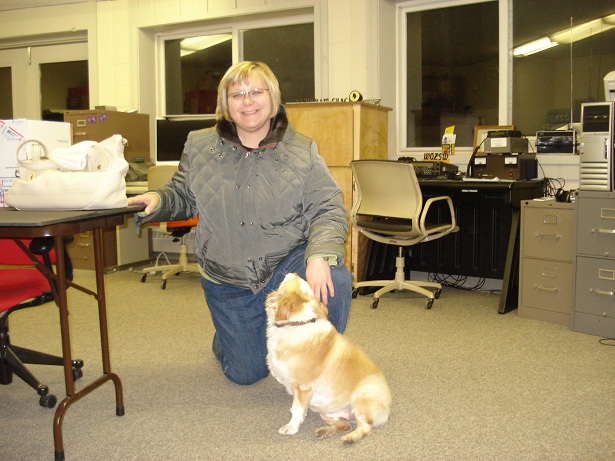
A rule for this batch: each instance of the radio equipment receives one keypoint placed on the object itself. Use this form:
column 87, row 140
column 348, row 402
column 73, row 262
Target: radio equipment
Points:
column 505, row 166
column 505, row 142
column 555, row 142
column 504, row 134
column 506, row 157
column 596, row 147
column 432, row 170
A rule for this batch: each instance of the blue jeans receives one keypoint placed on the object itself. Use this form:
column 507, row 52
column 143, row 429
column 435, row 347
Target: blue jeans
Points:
column 240, row 341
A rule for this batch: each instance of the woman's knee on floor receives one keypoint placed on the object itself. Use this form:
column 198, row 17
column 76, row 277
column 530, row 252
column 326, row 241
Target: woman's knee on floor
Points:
column 245, row 375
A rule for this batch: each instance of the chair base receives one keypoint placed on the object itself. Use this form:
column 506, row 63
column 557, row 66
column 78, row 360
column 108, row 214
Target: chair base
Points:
column 13, row 359
column 168, row 270
column 400, row 283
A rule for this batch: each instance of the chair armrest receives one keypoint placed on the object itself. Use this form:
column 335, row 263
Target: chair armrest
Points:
column 453, row 224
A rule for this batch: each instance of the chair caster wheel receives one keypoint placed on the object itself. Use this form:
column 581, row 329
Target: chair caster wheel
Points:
column 143, row 278
column 375, row 303
column 437, row 293
column 355, row 293
column 429, row 303
column 77, row 373
column 48, row 401
column 163, row 285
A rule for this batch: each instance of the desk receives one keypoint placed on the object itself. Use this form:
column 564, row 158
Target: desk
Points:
column 487, row 244
column 58, row 224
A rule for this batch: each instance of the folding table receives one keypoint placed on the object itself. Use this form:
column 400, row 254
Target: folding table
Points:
column 17, row 224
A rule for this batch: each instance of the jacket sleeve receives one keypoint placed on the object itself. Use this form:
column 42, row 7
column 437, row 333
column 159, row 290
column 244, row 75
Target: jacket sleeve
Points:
column 177, row 201
column 324, row 208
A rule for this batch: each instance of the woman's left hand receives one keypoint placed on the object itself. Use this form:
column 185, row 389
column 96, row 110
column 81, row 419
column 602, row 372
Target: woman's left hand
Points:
column 318, row 275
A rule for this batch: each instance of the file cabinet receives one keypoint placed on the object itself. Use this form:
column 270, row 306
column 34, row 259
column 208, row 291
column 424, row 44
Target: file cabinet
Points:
column 594, row 303
column 81, row 249
column 547, row 245
column 97, row 125
column 122, row 246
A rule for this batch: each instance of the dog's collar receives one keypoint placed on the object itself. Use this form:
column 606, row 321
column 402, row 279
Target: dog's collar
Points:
column 295, row 323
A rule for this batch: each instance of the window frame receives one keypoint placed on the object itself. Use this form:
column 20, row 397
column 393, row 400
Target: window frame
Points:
column 505, row 65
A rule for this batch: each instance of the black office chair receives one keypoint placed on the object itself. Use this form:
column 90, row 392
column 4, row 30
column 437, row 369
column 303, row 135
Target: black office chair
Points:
column 22, row 286
column 389, row 209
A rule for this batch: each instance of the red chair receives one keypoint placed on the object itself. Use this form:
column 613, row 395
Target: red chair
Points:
column 22, row 285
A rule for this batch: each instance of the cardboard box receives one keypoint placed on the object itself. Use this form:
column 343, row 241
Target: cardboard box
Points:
column 14, row 132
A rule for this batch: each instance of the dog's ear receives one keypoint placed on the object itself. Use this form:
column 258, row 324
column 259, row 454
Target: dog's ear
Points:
column 272, row 299
column 284, row 309
column 290, row 304
column 320, row 309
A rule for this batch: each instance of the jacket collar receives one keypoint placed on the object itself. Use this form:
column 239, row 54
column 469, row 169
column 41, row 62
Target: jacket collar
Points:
column 227, row 130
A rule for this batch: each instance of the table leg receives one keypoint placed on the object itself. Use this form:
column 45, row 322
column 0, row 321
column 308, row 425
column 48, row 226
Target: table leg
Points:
column 510, row 284
column 102, row 317
column 71, row 395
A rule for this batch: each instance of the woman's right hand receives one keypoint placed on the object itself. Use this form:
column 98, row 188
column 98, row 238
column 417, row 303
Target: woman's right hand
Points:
column 150, row 200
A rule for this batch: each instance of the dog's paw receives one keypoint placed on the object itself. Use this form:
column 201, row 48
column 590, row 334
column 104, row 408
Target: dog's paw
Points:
column 351, row 438
column 289, row 429
column 325, row 432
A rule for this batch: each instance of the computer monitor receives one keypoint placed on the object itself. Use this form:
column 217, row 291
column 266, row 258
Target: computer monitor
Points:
column 172, row 133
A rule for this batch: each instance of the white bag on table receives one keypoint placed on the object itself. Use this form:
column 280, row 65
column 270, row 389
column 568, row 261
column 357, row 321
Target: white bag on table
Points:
column 86, row 176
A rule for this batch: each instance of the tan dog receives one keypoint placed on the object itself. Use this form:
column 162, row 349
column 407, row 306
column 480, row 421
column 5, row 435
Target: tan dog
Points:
column 321, row 368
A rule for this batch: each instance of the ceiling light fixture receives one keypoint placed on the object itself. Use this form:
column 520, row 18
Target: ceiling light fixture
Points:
column 193, row 44
column 570, row 35
column 534, row 47
column 582, row 31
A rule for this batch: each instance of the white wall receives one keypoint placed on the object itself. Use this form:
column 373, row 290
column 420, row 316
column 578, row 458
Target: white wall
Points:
column 54, row 23
column 349, row 38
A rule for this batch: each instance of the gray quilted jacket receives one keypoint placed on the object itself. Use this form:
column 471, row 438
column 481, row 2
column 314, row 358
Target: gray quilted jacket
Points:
column 254, row 206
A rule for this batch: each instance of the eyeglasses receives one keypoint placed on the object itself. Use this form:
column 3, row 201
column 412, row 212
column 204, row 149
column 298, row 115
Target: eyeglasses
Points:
column 254, row 94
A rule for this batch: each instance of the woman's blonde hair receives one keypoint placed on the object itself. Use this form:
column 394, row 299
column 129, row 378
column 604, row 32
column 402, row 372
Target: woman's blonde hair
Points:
column 242, row 72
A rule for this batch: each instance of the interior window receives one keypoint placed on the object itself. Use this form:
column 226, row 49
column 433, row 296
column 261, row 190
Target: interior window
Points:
column 560, row 60
column 195, row 64
column 64, row 85
column 289, row 51
column 6, row 93
column 193, row 68
column 452, row 72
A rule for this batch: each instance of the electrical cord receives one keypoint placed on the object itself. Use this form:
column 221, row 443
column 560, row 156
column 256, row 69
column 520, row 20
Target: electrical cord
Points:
column 552, row 185
column 455, row 281
column 470, row 167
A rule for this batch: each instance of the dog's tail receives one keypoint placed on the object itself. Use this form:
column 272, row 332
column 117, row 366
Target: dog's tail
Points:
column 372, row 407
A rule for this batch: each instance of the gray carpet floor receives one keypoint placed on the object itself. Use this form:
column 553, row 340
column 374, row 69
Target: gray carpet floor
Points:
column 467, row 382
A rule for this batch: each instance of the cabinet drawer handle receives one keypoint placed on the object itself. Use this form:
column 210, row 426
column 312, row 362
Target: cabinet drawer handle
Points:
column 80, row 133
column 551, row 236
column 601, row 292
column 540, row 287
column 83, row 245
column 604, row 231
